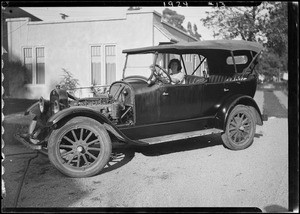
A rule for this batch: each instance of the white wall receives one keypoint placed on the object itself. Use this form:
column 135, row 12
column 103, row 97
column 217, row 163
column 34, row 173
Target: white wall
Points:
column 67, row 44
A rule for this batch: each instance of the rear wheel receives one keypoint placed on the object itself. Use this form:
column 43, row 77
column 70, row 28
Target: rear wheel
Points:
column 80, row 148
column 240, row 128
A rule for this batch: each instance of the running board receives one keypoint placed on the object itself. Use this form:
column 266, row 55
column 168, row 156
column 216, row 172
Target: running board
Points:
column 180, row 136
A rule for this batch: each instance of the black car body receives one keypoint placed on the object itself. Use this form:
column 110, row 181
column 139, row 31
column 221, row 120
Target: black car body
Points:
column 217, row 97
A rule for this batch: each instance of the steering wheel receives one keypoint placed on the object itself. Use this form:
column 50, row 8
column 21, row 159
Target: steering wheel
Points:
column 158, row 76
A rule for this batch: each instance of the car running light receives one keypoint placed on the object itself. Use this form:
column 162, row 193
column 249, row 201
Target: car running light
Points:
column 56, row 107
column 42, row 104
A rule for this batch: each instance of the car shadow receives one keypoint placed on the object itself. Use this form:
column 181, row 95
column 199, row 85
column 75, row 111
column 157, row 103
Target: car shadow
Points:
column 123, row 153
column 181, row 145
column 258, row 135
column 118, row 158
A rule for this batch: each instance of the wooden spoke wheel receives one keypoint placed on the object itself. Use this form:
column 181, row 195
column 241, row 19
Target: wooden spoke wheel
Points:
column 80, row 148
column 240, row 128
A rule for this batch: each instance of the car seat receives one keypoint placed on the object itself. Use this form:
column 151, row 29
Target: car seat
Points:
column 191, row 79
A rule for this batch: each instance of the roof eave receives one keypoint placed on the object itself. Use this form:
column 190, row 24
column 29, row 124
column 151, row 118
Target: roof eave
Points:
column 181, row 31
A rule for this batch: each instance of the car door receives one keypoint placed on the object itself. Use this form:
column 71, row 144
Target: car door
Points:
column 213, row 96
column 240, row 85
column 180, row 102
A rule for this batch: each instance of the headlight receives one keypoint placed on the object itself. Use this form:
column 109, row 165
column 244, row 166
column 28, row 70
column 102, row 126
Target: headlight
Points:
column 56, row 107
column 42, row 104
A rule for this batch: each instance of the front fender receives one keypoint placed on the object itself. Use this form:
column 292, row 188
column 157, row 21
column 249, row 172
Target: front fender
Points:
column 68, row 113
column 230, row 103
column 35, row 109
column 73, row 112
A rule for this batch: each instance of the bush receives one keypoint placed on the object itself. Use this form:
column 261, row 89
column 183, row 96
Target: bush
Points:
column 274, row 86
column 68, row 82
column 281, row 86
column 270, row 64
column 16, row 76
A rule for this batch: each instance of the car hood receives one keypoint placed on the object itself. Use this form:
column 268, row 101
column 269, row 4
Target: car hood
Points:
column 138, row 86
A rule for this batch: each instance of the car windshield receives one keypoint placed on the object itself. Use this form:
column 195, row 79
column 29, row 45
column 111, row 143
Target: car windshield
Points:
column 138, row 65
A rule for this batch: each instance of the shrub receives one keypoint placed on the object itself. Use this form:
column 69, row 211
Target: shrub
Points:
column 68, row 82
column 16, row 76
column 281, row 86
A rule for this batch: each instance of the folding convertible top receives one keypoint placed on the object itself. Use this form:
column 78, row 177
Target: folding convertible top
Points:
column 199, row 47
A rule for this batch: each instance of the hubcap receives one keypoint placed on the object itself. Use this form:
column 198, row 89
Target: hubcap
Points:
column 79, row 148
column 240, row 128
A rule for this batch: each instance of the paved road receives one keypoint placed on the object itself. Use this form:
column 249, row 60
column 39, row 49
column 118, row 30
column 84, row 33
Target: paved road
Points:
column 195, row 173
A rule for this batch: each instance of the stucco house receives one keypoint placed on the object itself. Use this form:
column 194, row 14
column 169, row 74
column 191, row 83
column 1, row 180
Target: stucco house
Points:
column 90, row 49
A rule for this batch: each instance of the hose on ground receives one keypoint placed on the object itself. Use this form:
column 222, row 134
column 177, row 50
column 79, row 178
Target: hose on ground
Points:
column 22, row 180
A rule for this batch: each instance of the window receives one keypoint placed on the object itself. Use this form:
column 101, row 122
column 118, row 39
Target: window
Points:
column 165, row 60
column 189, row 62
column 96, row 65
column 110, row 63
column 238, row 60
column 103, row 58
column 35, row 65
column 40, row 66
column 138, row 64
column 28, row 65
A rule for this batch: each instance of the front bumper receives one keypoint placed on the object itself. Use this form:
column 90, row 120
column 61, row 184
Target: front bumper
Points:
column 24, row 139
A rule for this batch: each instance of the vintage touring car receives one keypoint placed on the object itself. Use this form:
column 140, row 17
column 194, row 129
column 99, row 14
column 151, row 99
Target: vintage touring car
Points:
column 216, row 97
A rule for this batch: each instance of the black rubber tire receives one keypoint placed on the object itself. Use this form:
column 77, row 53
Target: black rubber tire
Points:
column 244, row 128
column 97, row 150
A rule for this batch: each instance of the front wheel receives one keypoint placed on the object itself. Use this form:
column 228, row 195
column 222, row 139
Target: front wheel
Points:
column 240, row 128
column 80, row 148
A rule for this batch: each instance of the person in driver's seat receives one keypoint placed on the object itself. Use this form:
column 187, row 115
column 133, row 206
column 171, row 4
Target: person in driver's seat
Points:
column 176, row 74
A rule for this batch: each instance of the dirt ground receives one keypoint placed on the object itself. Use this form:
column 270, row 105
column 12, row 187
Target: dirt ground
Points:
column 198, row 172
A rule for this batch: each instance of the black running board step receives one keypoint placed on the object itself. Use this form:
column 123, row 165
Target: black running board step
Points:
column 180, row 136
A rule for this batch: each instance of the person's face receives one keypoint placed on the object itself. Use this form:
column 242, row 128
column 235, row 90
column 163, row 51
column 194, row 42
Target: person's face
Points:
column 174, row 67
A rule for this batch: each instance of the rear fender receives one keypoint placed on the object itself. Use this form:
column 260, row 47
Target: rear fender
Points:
column 227, row 107
column 61, row 117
